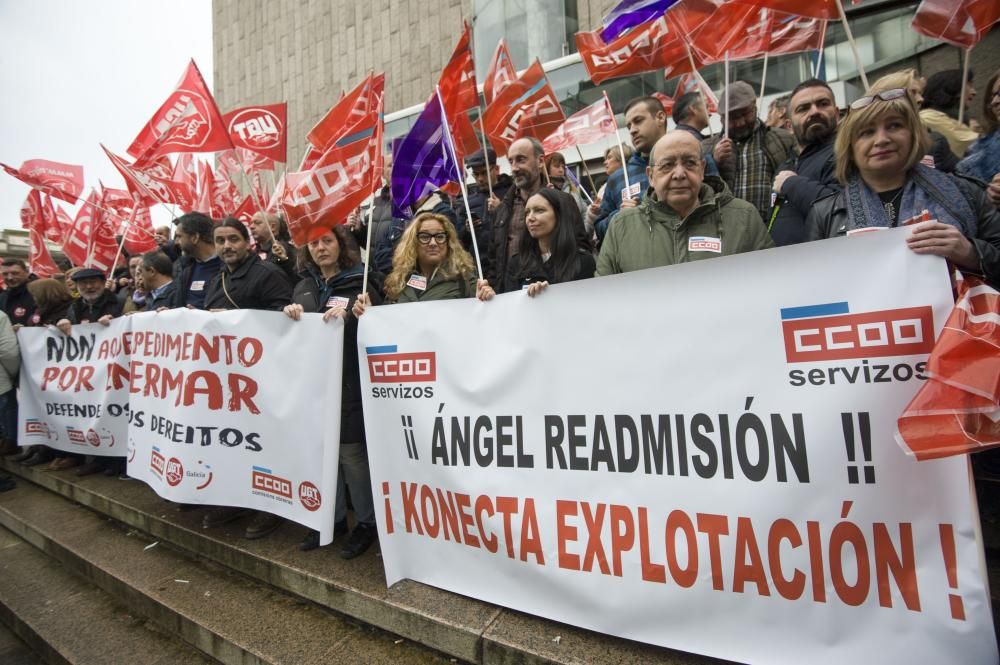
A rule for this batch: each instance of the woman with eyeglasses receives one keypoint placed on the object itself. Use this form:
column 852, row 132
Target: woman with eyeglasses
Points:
column 983, row 159
column 549, row 250
column 429, row 264
column 878, row 149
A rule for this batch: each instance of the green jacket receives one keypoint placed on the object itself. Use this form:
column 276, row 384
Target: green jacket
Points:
column 653, row 235
column 439, row 289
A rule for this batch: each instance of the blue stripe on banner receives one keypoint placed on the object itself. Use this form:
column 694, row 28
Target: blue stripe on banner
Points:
column 375, row 350
column 827, row 309
column 357, row 136
column 261, row 469
column 532, row 90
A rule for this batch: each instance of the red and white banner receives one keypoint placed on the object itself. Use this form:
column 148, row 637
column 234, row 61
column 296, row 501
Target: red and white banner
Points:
column 152, row 185
column 959, row 22
column 501, row 73
column 260, row 129
column 188, row 121
column 63, row 181
column 726, row 483
column 585, row 126
column 530, row 94
column 34, row 217
column 354, row 111
column 199, row 414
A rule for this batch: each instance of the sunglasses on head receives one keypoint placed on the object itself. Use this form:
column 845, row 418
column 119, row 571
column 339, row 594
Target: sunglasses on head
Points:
column 887, row 96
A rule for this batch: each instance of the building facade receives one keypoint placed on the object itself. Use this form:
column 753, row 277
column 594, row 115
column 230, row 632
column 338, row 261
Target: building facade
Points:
column 306, row 52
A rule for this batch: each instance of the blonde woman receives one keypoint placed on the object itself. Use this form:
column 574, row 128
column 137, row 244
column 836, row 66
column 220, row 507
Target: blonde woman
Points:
column 430, row 264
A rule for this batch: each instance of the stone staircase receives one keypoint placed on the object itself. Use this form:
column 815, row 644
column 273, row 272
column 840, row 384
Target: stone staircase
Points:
column 102, row 570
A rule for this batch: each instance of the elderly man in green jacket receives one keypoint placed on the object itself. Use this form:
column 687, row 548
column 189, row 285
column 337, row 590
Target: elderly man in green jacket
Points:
column 683, row 217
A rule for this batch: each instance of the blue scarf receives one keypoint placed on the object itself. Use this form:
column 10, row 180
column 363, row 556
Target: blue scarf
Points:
column 983, row 158
column 925, row 189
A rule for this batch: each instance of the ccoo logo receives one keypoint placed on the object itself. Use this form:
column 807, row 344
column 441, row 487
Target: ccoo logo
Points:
column 386, row 365
column 830, row 332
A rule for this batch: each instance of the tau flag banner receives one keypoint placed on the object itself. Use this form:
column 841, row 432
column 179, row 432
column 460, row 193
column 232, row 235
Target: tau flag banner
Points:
column 67, row 398
column 722, row 479
column 260, row 129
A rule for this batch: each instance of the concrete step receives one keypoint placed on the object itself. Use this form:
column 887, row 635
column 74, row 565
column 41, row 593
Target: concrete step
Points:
column 465, row 628
column 67, row 621
column 223, row 614
column 15, row 652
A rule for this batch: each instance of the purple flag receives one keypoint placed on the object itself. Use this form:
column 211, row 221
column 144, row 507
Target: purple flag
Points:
column 421, row 162
column 629, row 13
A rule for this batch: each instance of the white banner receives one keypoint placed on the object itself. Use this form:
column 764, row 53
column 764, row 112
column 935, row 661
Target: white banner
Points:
column 699, row 457
column 237, row 408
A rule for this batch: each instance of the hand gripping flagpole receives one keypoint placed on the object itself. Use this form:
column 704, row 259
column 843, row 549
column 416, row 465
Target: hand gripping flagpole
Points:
column 461, row 176
column 621, row 150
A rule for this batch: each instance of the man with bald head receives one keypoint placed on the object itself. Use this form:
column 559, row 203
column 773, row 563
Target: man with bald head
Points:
column 506, row 221
column 684, row 215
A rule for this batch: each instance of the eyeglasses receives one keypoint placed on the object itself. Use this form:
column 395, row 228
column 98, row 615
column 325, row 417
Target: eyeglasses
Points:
column 438, row 238
column 665, row 166
column 887, row 96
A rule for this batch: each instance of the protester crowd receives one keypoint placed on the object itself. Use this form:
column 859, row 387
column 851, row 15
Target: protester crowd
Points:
column 811, row 171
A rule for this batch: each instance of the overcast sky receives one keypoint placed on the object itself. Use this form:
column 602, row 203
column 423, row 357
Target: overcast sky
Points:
column 74, row 74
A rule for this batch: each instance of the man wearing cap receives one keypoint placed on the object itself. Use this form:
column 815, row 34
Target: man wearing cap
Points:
column 684, row 215
column 96, row 304
column 810, row 176
column 479, row 196
column 751, row 156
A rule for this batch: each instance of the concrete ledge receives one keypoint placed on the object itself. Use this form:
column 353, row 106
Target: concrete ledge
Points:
column 67, row 621
column 229, row 618
column 468, row 629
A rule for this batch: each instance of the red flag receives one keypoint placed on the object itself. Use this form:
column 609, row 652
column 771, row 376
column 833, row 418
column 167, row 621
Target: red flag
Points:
column 320, row 198
column 58, row 222
column 31, row 209
column 39, row 259
column 151, row 186
column 186, row 174
column 795, row 34
column 225, row 195
column 959, row 22
column 653, row 45
column 261, row 129
column 103, row 245
column 63, row 181
column 689, row 83
column 76, row 246
column 741, row 30
column 353, row 110
column 531, row 92
column 501, row 73
column 540, row 119
column 957, row 410
column 247, row 210
column 457, row 86
column 189, row 118
column 279, row 193
column 139, row 232
column 206, row 193
column 668, row 102
column 825, row 9
column 585, row 126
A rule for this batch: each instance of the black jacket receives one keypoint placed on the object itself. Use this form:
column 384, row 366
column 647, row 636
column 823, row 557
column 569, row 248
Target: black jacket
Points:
column 816, row 179
column 477, row 205
column 518, row 277
column 287, row 266
column 829, row 219
column 184, row 273
column 83, row 312
column 163, row 299
column 254, row 284
column 314, row 294
column 18, row 304
column 382, row 219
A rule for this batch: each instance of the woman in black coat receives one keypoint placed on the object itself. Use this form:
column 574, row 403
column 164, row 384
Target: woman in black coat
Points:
column 333, row 277
column 549, row 249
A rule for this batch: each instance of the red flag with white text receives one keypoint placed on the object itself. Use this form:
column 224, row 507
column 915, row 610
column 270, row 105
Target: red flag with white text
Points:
column 587, row 125
column 32, row 218
column 689, row 83
column 960, row 22
column 260, row 129
column 63, row 181
column 138, row 232
column 653, row 45
column 531, row 93
column 353, row 113
column 188, row 121
column 76, row 245
column 825, row 9
column 501, row 73
column 152, row 185
column 957, row 410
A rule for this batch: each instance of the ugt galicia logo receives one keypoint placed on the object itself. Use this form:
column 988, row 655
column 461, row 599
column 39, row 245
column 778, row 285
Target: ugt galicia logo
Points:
column 387, row 365
column 830, row 332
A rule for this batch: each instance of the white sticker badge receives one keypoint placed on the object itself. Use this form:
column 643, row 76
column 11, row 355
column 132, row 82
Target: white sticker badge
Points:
column 704, row 244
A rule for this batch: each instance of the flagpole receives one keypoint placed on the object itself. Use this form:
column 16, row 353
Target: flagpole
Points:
column 486, row 156
column 621, row 149
column 725, row 92
column 121, row 244
column 379, row 139
column 461, row 177
column 821, row 51
column 587, row 169
column 965, row 85
column 763, row 78
column 697, row 74
column 854, row 46
column 368, row 246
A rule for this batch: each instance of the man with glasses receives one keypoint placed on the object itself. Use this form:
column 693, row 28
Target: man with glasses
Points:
column 810, row 176
column 685, row 216
column 750, row 157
